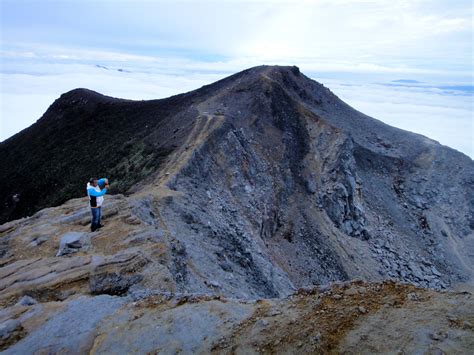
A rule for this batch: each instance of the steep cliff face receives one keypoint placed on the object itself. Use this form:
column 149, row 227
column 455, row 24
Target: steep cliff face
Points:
column 289, row 189
column 251, row 187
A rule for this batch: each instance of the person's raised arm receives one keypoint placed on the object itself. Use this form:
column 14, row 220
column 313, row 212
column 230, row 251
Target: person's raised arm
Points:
column 93, row 192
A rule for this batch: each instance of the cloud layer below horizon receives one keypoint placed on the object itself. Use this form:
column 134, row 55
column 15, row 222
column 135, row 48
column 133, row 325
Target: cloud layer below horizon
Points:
column 407, row 63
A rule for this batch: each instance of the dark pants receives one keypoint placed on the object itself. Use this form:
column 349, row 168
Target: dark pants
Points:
column 96, row 215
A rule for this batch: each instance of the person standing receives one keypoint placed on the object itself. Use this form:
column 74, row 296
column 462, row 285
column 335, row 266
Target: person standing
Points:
column 96, row 199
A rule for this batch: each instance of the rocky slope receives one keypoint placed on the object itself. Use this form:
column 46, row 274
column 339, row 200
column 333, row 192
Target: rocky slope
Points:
column 249, row 188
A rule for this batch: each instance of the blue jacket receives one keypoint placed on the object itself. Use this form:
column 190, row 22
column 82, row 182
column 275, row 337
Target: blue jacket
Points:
column 95, row 194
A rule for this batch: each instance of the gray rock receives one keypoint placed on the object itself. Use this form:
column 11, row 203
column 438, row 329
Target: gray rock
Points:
column 311, row 186
column 352, row 181
column 435, row 271
column 419, row 202
column 143, row 210
column 39, row 240
column 439, row 335
column 72, row 242
column 69, row 330
column 324, row 288
column 26, row 301
column 348, row 227
column 214, row 283
column 191, row 328
column 10, row 332
column 416, row 271
column 351, row 291
column 82, row 217
column 112, row 283
column 144, row 236
column 225, row 266
column 466, row 325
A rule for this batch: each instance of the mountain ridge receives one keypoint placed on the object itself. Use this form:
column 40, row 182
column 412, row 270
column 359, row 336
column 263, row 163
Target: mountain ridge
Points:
column 277, row 157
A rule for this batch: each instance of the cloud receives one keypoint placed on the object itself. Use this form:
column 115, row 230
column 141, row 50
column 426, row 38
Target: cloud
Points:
column 427, row 109
column 26, row 57
column 438, row 114
column 411, row 33
column 27, row 90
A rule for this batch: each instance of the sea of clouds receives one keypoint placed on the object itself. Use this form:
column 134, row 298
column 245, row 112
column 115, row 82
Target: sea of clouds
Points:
column 420, row 102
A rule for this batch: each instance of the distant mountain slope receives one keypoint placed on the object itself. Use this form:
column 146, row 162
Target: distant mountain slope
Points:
column 84, row 133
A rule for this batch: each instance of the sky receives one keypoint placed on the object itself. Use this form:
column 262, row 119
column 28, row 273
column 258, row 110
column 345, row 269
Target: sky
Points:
column 408, row 63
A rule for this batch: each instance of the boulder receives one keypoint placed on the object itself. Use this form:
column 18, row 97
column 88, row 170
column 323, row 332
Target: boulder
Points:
column 72, row 242
column 112, row 283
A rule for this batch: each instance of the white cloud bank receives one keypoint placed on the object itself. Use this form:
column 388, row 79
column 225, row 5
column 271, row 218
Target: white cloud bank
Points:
column 29, row 86
column 440, row 114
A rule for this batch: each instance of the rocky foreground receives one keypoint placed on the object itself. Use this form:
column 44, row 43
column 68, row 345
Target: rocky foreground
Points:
column 355, row 317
